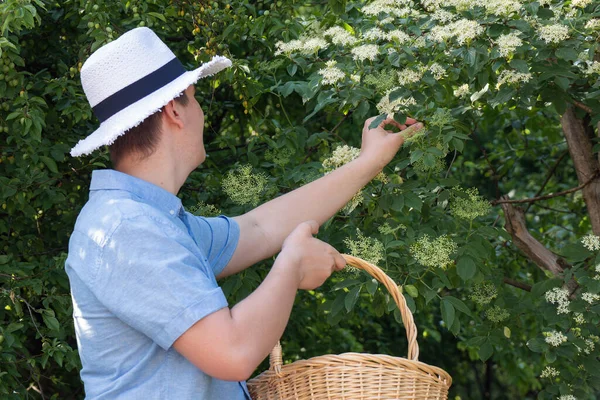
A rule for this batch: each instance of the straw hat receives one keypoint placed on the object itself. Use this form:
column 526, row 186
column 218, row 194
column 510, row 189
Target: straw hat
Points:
column 130, row 79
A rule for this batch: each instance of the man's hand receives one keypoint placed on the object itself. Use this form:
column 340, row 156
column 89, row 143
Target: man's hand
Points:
column 309, row 258
column 379, row 145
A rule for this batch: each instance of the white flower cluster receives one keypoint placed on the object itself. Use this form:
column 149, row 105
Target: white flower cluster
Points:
column 592, row 68
column 555, row 338
column 462, row 30
column 560, row 297
column 374, row 34
column 470, row 207
column 590, row 297
column 331, row 74
column 443, row 16
column 407, row 76
column 386, row 229
column 340, row 156
column 549, row 372
column 580, row 3
column 391, row 7
column 340, row 36
column 365, row 52
column 462, row 91
column 553, row 33
column 398, row 36
column 567, row 397
column 369, row 249
column 305, row 46
column 502, row 7
column 437, row 71
column 579, row 319
column 589, row 346
column 507, row 44
column 433, row 253
column 593, row 24
column 591, row 242
column 385, row 106
column 512, row 77
column 244, row 186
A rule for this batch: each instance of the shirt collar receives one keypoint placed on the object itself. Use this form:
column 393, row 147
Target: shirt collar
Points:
column 108, row 179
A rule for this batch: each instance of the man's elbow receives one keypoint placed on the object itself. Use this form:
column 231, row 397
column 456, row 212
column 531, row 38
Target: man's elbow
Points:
column 230, row 368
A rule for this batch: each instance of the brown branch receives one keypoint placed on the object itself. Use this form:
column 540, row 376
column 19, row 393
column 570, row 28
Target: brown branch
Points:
column 503, row 200
column 582, row 106
column 516, row 226
column 517, row 284
column 586, row 165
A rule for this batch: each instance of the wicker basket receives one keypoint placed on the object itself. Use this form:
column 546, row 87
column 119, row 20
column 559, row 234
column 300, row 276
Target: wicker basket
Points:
column 355, row 375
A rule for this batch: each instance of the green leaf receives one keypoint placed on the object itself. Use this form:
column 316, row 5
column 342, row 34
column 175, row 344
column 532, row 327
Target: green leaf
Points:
column 51, row 322
column 375, row 123
column 567, row 53
column 158, row 16
column 506, row 332
column 458, row 304
column 50, row 163
column 520, row 65
column 338, row 6
column 372, row 286
column 486, row 351
column 466, row 268
column 411, row 290
column 351, row 298
column 413, row 201
column 537, row 345
column 448, row 312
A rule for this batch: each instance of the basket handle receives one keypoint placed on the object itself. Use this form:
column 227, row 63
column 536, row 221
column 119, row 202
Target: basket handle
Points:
column 276, row 359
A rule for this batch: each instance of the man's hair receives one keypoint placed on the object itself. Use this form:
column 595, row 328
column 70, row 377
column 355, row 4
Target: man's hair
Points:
column 141, row 140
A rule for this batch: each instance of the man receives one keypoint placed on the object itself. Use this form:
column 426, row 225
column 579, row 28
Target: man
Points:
column 150, row 318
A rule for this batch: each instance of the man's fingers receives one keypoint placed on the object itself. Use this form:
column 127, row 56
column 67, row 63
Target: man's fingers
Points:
column 389, row 121
column 410, row 121
column 411, row 130
column 340, row 262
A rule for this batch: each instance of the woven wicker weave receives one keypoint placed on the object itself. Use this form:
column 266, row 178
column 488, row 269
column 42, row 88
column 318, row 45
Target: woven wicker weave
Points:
column 354, row 376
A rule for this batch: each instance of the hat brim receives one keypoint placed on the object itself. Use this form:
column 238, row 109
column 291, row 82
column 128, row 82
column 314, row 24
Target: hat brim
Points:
column 133, row 115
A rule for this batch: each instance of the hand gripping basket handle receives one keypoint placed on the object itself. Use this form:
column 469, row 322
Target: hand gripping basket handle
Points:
column 276, row 359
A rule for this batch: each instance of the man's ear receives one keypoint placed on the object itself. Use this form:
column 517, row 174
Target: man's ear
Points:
column 172, row 114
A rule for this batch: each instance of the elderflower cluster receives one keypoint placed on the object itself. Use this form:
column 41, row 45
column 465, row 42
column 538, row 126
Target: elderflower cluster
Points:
column 555, row 338
column 407, row 76
column 398, row 36
column 280, row 156
column 331, row 74
column 469, row 207
column 497, row 314
column 374, row 34
column 462, row 30
column 440, row 118
column 386, row 229
column 385, row 106
column 437, row 71
column 243, row 186
column 305, row 46
column 591, row 242
column 433, row 253
column 589, row 346
column 579, row 319
column 354, row 202
column 443, row 16
column 340, row 156
column 205, row 210
column 383, row 81
column 560, row 297
column 512, row 77
column 483, row 293
column 502, row 7
column 567, row 397
column 590, row 297
column 391, row 7
column 507, row 44
column 340, row 36
column 553, row 33
column 462, row 91
column 365, row 52
column 549, row 372
column 369, row 249
column 580, row 3
column 593, row 24
column 592, row 68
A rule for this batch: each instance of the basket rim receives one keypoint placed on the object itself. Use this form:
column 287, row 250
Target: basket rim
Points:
column 434, row 373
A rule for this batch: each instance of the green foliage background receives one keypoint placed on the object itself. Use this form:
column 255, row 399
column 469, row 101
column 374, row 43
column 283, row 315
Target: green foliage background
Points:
column 273, row 113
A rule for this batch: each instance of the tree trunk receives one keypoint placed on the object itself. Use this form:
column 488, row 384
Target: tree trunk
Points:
column 586, row 165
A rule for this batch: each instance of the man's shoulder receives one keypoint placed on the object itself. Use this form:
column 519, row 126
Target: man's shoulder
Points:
column 105, row 212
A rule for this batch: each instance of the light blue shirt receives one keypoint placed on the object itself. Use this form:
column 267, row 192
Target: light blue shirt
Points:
column 142, row 271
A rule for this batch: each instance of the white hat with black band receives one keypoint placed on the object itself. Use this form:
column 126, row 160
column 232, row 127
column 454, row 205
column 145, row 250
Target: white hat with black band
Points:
column 131, row 78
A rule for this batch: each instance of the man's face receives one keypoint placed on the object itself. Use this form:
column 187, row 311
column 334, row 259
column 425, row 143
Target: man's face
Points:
column 194, row 118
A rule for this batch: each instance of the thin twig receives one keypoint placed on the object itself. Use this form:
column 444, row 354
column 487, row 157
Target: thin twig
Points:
column 517, row 284
column 548, row 196
column 550, row 173
column 582, row 106
column 29, row 307
column 451, row 162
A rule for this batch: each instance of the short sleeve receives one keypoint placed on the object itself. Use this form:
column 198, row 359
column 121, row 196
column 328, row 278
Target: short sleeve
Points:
column 217, row 237
column 151, row 279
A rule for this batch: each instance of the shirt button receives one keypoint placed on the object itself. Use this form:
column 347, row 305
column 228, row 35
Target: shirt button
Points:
column 172, row 212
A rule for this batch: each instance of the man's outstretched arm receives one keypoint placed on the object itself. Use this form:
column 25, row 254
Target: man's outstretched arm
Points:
column 263, row 230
